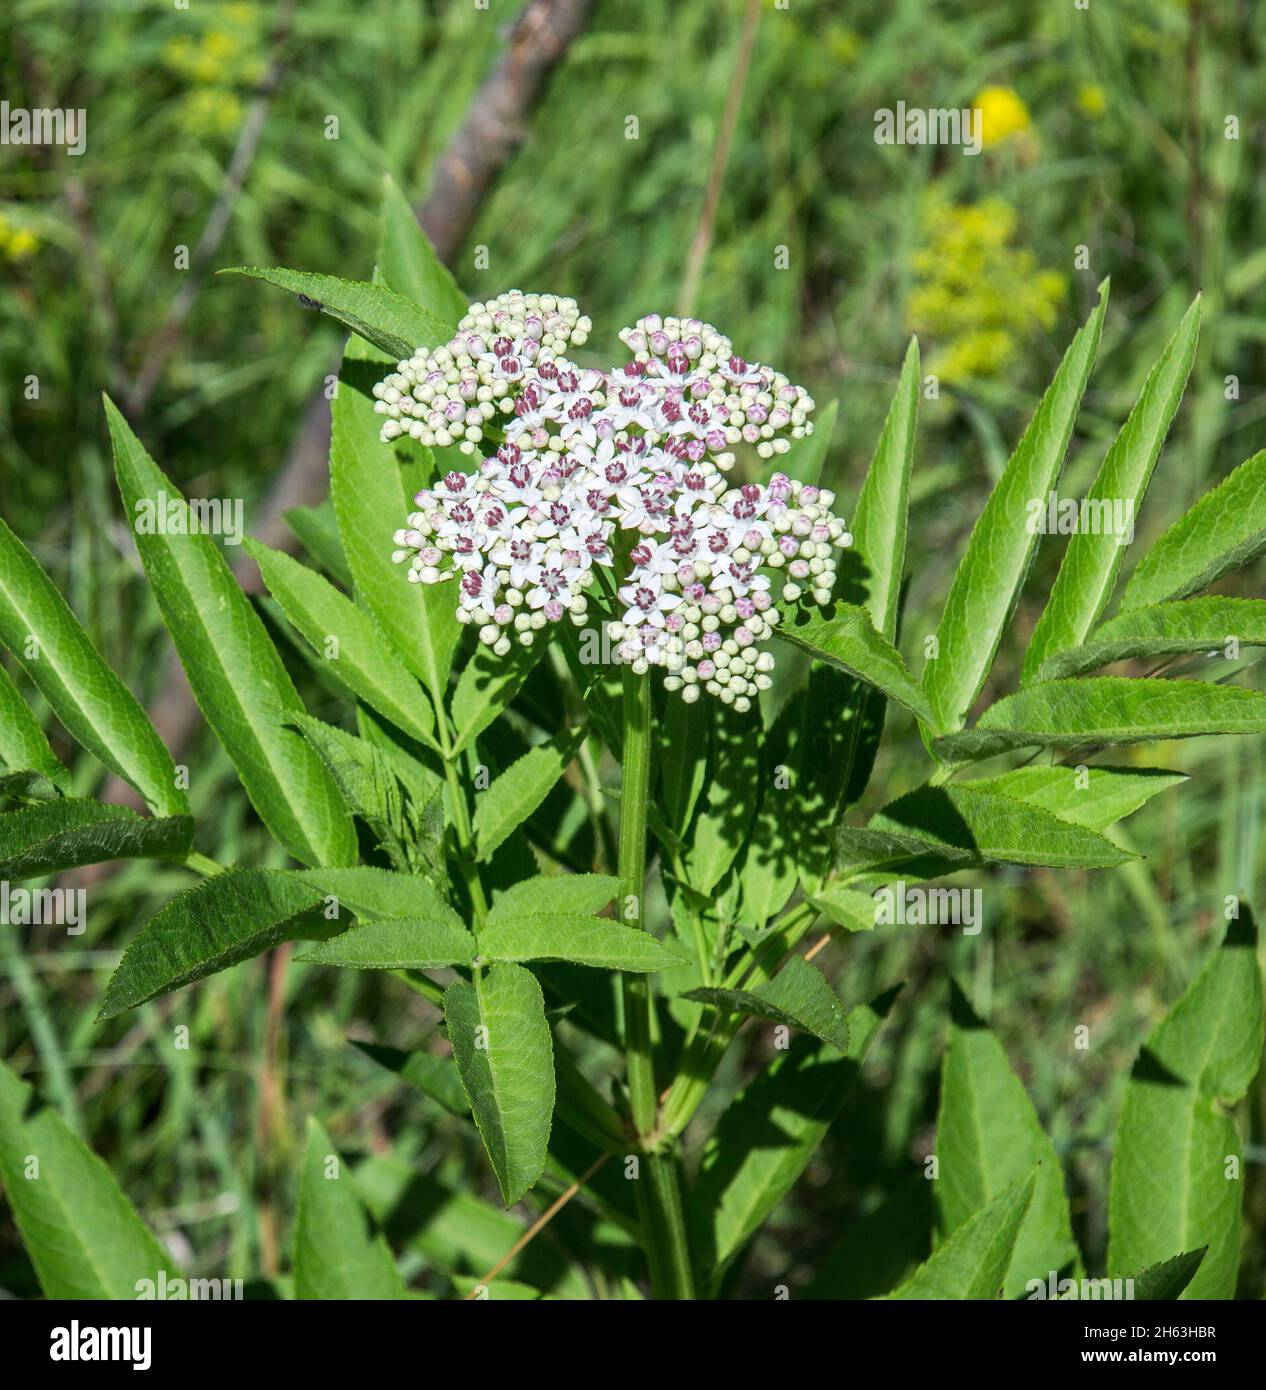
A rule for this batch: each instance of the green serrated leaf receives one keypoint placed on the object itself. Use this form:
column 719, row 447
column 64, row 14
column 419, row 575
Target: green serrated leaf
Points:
column 686, row 732
column 1186, row 625
column 846, row 907
column 394, row 324
column 23, row 744
column 365, row 777
column 28, row 786
column 397, row 943
column 843, row 719
column 505, row 1054
column 863, row 850
column 237, row 677
column 1171, row 1188
column 722, row 825
column 880, row 519
column 486, row 686
column 97, row 709
column 844, row 637
column 996, row 829
column 317, row 529
column 377, row 893
column 580, row 939
column 82, row 1234
column 1223, row 531
column 349, row 638
column 768, row 1134
column 1104, row 710
column 550, row 894
column 371, row 501
column 1095, row 797
column 231, row 917
column 63, row 834
column 987, row 1136
column 989, row 577
column 973, row 1262
column 1168, row 1280
column 798, row 996
column 1092, row 561
column 519, row 790
column 767, row 872
column 337, row 1254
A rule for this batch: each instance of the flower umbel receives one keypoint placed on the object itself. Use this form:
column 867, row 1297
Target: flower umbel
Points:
column 612, row 483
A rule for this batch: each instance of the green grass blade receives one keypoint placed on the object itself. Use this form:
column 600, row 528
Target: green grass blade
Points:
column 408, row 262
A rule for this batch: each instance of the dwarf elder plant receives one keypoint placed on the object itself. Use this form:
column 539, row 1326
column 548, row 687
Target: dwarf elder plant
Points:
column 543, row 567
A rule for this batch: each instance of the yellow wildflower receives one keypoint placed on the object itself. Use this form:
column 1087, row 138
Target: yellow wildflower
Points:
column 1002, row 114
column 1092, row 100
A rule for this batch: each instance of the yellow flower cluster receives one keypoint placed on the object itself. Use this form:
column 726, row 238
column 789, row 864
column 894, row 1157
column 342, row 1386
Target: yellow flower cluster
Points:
column 977, row 297
column 16, row 243
column 216, row 64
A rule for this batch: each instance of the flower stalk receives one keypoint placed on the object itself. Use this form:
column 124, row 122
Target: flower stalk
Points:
column 658, row 1194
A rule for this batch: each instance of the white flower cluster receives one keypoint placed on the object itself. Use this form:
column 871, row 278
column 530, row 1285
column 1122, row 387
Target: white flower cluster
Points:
column 449, row 394
column 745, row 401
column 613, row 483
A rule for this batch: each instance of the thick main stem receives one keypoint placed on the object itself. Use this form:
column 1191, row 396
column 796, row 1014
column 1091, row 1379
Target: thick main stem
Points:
column 634, row 796
column 658, row 1196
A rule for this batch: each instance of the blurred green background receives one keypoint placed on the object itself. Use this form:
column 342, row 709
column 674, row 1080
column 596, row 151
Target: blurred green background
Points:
column 1106, row 153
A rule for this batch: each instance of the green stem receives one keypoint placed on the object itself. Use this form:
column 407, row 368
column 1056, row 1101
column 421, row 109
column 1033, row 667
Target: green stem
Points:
column 657, row 1191
column 203, row 864
column 634, row 796
column 465, row 841
column 715, row 1030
